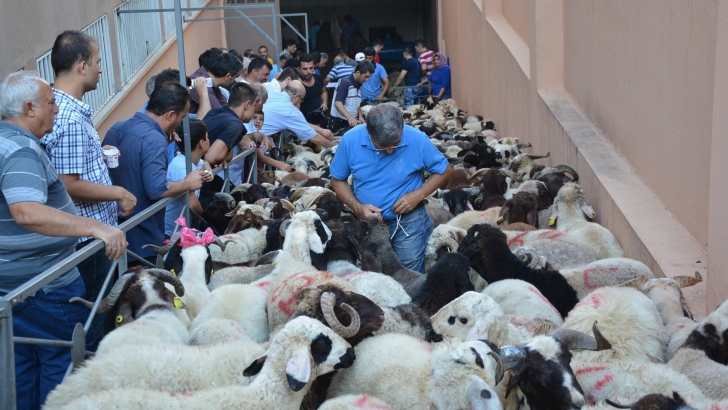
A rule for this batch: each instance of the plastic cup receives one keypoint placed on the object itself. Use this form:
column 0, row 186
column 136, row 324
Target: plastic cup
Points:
column 112, row 157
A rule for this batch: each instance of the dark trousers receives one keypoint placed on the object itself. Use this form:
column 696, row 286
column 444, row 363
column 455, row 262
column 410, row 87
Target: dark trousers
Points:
column 39, row 368
column 93, row 272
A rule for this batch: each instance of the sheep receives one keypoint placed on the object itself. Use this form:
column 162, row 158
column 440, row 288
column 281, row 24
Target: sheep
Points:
column 477, row 316
column 444, row 238
column 238, row 275
column 465, row 377
column 407, row 319
column 243, row 304
column 522, row 207
column 277, row 207
column 704, row 356
column 555, row 178
column 492, row 259
column 435, row 209
column 659, row 401
column 469, row 218
column 456, row 200
column 379, row 288
column 194, row 276
column 249, row 193
column 246, row 219
column 519, row 298
column 355, row 401
column 218, row 331
column 493, row 187
column 146, row 310
column 667, row 296
column 301, row 351
column 137, row 366
column 524, row 166
column 560, row 249
column 393, row 367
column 570, row 206
column 342, row 246
column 631, row 380
column 444, row 282
column 627, row 318
column 241, row 248
column 215, row 207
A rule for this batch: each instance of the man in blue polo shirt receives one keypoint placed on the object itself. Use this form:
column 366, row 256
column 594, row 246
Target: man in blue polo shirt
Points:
column 386, row 160
column 142, row 141
column 376, row 87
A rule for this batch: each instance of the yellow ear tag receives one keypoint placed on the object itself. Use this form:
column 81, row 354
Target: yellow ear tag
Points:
column 552, row 221
column 119, row 319
column 593, row 215
column 500, row 220
column 178, row 303
column 172, row 272
column 212, row 271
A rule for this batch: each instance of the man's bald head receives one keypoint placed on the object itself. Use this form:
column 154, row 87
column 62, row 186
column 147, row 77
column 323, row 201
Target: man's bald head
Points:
column 297, row 88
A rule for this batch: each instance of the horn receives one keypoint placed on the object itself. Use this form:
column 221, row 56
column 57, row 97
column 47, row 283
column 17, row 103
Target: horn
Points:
column 235, row 210
column 527, row 256
column 510, row 174
column 534, row 156
column 522, row 145
column 229, row 198
column 637, row 283
column 167, row 276
column 327, row 308
column 163, row 250
column 109, row 301
column 267, row 259
column 498, row 366
column 570, row 170
column 325, row 152
column 581, row 341
column 685, row 281
column 471, row 191
column 512, row 357
column 221, row 244
column 288, row 206
column 441, row 192
column 619, row 406
column 241, row 188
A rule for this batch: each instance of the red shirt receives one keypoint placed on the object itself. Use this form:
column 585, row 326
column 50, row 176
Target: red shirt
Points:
column 426, row 58
column 376, row 58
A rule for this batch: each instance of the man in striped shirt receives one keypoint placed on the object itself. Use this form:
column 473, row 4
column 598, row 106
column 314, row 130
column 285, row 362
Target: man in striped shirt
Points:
column 74, row 148
column 425, row 58
column 39, row 228
column 346, row 111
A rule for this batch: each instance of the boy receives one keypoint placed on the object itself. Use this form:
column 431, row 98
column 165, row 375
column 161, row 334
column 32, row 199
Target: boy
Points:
column 263, row 159
column 177, row 171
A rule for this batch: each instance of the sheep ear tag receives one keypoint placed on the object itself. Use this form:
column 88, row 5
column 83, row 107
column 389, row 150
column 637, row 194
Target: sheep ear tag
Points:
column 588, row 211
column 298, row 369
column 552, row 218
column 178, row 303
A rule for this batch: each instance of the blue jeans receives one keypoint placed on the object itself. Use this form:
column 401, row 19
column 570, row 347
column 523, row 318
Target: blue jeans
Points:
column 39, row 368
column 410, row 93
column 411, row 249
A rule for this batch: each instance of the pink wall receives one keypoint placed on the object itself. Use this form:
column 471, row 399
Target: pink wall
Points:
column 198, row 37
column 626, row 93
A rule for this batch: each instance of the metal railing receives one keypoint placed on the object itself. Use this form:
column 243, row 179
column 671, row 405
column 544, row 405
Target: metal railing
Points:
column 168, row 19
column 97, row 98
column 138, row 35
column 28, row 289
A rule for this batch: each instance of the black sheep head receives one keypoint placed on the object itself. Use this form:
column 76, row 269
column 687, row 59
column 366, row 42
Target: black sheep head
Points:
column 477, row 241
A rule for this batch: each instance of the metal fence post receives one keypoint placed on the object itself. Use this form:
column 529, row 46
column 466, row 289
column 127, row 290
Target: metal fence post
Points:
column 183, row 81
column 7, row 356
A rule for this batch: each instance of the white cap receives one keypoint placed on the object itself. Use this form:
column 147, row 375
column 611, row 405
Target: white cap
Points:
column 359, row 57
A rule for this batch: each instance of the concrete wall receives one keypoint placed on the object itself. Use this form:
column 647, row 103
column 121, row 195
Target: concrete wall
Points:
column 629, row 94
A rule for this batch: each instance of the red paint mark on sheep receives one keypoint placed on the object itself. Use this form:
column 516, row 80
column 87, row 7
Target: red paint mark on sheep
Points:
column 518, row 239
column 590, row 369
column 286, row 306
column 600, row 270
column 601, row 384
column 189, row 394
column 542, row 297
column 365, row 402
column 678, row 328
column 354, row 276
column 551, row 234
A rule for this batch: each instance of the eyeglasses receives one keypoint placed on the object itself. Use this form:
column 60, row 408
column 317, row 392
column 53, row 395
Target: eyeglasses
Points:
column 387, row 148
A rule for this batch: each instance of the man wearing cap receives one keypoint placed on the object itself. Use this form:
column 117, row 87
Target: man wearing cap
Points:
column 386, row 160
column 346, row 111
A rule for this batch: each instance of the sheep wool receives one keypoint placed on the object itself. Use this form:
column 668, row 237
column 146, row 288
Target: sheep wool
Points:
column 519, row 298
column 355, row 402
column 469, row 218
column 244, row 304
column 156, row 326
column 627, row 318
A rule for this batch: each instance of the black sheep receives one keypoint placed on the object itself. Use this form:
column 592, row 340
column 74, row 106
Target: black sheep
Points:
column 484, row 157
column 490, row 256
column 214, row 207
column 457, row 201
column 446, row 281
column 493, row 186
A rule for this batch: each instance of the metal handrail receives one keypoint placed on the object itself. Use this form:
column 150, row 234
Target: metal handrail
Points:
column 16, row 296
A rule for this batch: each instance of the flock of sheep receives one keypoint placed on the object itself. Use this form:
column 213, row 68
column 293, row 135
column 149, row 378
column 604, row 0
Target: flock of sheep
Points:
column 527, row 303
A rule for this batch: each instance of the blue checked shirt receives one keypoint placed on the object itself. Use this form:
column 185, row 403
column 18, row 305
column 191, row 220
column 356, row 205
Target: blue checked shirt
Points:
column 74, row 147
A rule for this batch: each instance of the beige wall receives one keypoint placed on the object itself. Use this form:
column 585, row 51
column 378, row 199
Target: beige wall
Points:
column 628, row 93
column 198, row 37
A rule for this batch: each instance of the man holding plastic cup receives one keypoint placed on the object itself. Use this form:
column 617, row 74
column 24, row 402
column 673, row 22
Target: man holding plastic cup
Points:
column 74, row 149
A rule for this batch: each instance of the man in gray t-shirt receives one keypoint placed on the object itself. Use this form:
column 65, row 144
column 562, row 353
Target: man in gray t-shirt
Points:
column 38, row 229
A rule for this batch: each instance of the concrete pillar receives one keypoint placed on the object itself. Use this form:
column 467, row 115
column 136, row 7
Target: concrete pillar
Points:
column 547, row 43
column 717, row 280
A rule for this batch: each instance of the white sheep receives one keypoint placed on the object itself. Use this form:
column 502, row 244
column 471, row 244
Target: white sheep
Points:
column 393, row 367
column 194, row 279
column 301, row 351
column 627, row 318
column 407, row 319
column 355, row 402
column 242, row 247
column 217, row 331
column 381, row 289
column 442, row 236
column 665, row 293
column 167, row 367
column 604, row 272
column 244, row 304
column 238, row 275
column 469, row 218
column 477, row 316
column 561, row 250
column 703, row 358
column 631, row 380
column 519, row 298
column 570, row 207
